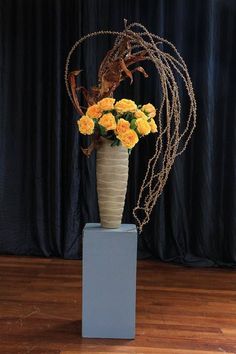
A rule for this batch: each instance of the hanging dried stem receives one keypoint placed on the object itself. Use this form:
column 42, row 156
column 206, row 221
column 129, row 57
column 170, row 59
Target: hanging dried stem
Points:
column 133, row 45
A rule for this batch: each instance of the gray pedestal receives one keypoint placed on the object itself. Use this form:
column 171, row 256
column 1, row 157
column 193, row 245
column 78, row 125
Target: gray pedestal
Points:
column 109, row 281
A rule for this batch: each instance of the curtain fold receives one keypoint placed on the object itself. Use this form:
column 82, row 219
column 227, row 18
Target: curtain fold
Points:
column 48, row 188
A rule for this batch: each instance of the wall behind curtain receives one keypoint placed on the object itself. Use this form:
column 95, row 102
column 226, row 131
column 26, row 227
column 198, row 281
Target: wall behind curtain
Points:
column 47, row 188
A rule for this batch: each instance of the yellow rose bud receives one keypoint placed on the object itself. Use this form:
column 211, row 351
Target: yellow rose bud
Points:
column 122, row 126
column 125, row 105
column 94, row 111
column 86, row 125
column 106, row 104
column 143, row 126
column 153, row 126
column 108, row 121
column 140, row 114
column 149, row 109
column 129, row 139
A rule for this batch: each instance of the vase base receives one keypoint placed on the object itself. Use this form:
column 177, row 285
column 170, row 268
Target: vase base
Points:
column 110, row 226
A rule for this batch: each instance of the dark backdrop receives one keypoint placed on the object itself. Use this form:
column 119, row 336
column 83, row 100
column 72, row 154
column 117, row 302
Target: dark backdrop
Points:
column 47, row 188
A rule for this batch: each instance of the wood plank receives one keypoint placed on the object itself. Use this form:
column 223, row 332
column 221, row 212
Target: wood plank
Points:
column 179, row 310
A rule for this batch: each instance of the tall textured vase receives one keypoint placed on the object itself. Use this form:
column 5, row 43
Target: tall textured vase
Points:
column 112, row 177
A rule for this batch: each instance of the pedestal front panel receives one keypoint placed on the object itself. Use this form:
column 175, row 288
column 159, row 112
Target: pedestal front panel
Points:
column 109, row 281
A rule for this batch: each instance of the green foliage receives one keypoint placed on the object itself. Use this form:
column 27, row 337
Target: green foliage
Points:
column 128, row 116
column 133, row 124
column 147, row 114
column 116, row 142
column 102, row 130
column 117, row 116
column 113, row 111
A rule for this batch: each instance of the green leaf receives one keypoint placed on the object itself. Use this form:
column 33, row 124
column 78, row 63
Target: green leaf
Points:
column 102, row 130
column 117, row 117
column 116, row 142
column 108, row 111
column 133, row 124
column 129, row 116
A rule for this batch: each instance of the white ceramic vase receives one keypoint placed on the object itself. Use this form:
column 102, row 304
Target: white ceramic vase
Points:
column 112, row 177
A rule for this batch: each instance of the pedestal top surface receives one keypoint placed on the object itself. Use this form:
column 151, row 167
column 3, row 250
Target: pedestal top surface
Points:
column 95, row 227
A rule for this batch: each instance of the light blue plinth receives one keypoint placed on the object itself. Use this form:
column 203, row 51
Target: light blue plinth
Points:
column 109, row 281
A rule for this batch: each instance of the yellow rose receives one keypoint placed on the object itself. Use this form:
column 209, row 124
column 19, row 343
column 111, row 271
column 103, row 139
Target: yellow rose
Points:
column 106, row 104
column 153, row 126
column 149, row 109
column 129, row 139
column 125, row 105
column 108, row 121
column 143, row 126
column 122, row 126
column 140, row 114
column 86, row 125
column 94, row 111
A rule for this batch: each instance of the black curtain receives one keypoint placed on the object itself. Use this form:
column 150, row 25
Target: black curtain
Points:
column 47, row 187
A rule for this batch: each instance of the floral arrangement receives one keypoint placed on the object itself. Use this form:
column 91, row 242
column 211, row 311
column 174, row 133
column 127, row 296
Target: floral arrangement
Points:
column 123, row 122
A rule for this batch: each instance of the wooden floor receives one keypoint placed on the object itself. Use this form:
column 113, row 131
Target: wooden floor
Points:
column 179, row 310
